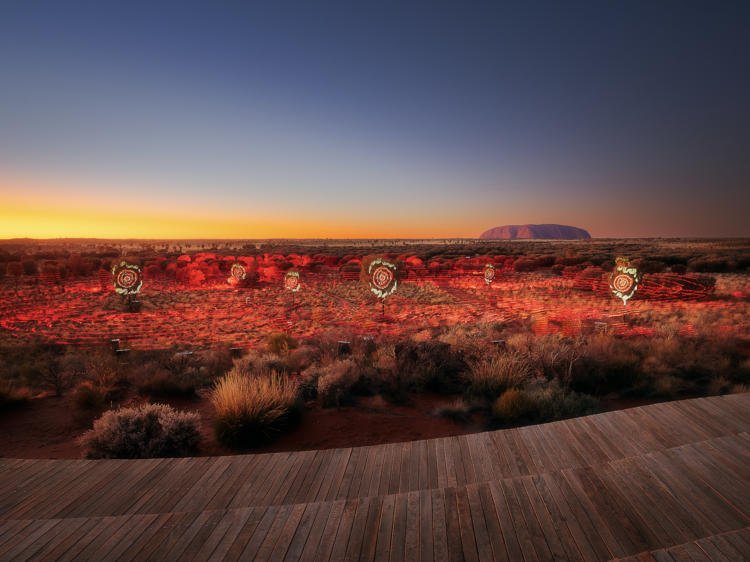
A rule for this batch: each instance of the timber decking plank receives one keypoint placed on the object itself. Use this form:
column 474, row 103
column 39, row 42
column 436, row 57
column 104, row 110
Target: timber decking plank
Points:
column 60, row 548
column 723, row 469
column 585, row 444
column 439, row 529
column 37, row 541
column 450, row 469
column 537, row 454
column 581, row 512
column 383, row 548
column 278, row 548
column 262, row 544
column 712, row 551
column 432, row 463
column 468, row 532
column 201, row 538
column 610, row 449
column 310, row 545
column 250, row 536
column 338, row 476
column 566, row 458
column 129, row 527
column 220, row 542
column 398, row 541
column 413, row 536
column 371, row 483
column 315, row 473
column 270, row 484
column 51, row 543
column 481, row 533
column 395, row 480
column 492, row 523
column 295, row 477
column 425, row 526
column 370, row 534
column 405, row 468
column 174, row 535
column 482, row 464
column 248, row 486
column 561, row 505
column 185, row 485
column 684, row 520
column 505, row 520
column 715, row 517
column 567, row 439
column 424, row 467
column 162, row 500
column 335, row 537
column 442, row 471
column 541, row 511
column 506, row 494
column 652, row 532
column 354, row 544
column 385, row 475
column 727, row 548
column 96, row 536
column 231, row 482
column 178, row 549
column 452, row 525
column 467, row 460
column 453, row 445
column 568, row 542
column 547, row 447
column 736, row 540
column 533, row 524
column 194, row 498
column 513, row 454
column 363, row 473
column 414, row 468
column 623, row 529
column 356, row 475
column 351, row 465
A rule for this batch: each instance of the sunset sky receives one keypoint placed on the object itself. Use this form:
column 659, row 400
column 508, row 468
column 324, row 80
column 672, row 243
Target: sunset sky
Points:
column 373, row 119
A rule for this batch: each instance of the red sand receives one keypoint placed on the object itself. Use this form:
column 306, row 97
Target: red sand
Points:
column 47, row 427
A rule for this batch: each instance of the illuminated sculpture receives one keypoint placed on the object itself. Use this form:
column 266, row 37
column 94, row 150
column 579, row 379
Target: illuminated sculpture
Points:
column 489, row 274
column 236, row 274
column 291, row 281
column 382, row 277
column 624, row 280
column 128, row 278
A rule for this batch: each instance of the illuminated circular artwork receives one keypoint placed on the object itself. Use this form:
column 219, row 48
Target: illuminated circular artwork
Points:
column 382, row 277
column 489, row 274
column 128, row 278
column 291, row 281
column 624, row 280
column 236, row 274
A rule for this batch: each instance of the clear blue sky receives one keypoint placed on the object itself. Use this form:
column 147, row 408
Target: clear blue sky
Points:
column 378, row 119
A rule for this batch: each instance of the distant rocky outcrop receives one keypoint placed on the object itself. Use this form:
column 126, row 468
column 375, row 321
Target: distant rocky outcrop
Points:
column 545, row 231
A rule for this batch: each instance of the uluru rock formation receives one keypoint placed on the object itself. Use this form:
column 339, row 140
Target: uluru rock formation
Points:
column 545, row 231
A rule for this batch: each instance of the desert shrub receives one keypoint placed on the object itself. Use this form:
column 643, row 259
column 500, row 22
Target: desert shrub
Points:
column 151, row 431
column 718, row 386
column 302, row 358
column 251, row 411
column 87, row 396
column 459, row 410
column 11, row 396
column 739, row 389
column 550, row 402
column 217, row 363
column 743, row 372
column 510, row 406
column 492, row 376
column 53, row 373
column 152, row 380
column 337, row 381
column 280, row 343
column 667, row 386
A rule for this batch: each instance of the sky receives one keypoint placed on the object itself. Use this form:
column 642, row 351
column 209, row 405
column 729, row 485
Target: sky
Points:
column 373, row 119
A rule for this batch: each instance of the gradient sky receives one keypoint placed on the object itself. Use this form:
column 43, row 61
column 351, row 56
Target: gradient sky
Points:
column 373, row 119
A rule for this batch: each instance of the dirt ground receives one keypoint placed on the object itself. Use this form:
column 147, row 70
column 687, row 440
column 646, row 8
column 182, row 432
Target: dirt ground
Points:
column 47, row 427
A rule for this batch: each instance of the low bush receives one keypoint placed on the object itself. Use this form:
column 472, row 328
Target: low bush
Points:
column 280, row 343
column 337, row 381
column 718, row 386
column 459, row 410
column 251, row 411
column 151, row 431
column 510, row 406
column 492, row 376
column 87, row 396
column 152, row 380
column 667, row 386
column 551, row 403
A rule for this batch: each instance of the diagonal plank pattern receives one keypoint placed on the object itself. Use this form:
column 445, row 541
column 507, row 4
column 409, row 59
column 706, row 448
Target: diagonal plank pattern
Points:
column 653, row 481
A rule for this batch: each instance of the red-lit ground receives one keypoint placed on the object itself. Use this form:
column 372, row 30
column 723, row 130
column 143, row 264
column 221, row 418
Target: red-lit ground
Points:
column 219, row 315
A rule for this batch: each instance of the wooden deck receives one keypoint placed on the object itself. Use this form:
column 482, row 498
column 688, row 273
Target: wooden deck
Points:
column 662, row 482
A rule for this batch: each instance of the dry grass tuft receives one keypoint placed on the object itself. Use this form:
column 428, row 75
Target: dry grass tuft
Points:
column 251, row 411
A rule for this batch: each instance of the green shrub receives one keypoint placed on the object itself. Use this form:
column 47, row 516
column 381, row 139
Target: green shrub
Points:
column 280, row 343
column 151, row 431
column 551, row 403
column 510, row 406
column 251, row 411
column 491, row 377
